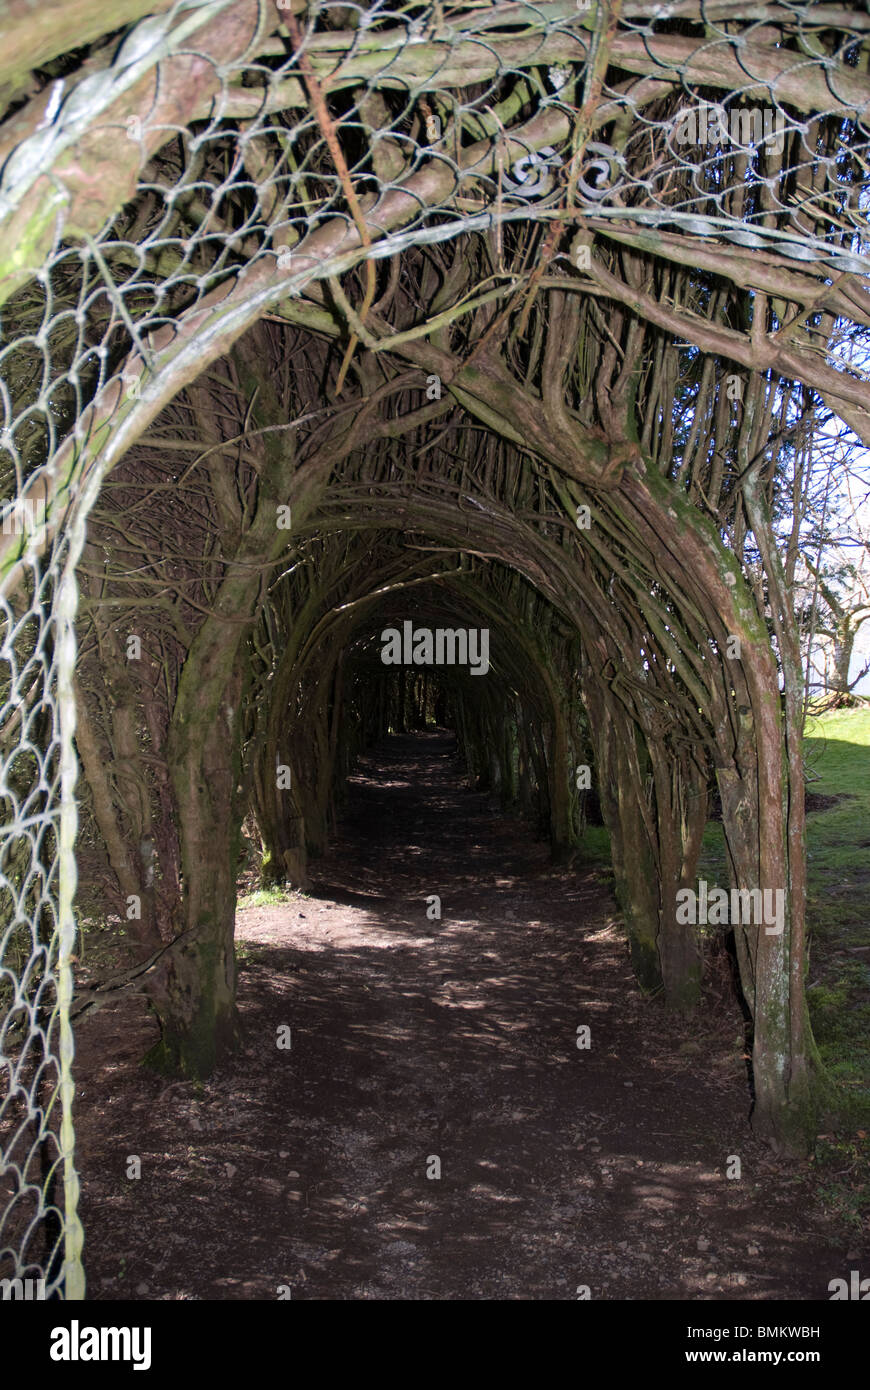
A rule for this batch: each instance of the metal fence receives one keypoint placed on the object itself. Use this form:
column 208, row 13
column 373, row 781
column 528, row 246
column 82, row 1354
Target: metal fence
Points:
column 219, row 158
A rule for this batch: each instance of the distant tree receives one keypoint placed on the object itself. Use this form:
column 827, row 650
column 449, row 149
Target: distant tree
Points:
column 838, row 594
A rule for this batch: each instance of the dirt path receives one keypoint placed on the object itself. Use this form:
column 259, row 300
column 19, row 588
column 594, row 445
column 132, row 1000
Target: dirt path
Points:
column 453, row 1039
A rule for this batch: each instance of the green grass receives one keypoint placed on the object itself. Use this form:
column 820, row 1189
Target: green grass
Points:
column 268, row 897
column 595, row 844
column 837, row 755
column 837, row 759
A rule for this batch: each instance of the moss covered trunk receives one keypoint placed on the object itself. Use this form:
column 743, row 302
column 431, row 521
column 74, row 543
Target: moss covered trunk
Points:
column 194, row 996
column 681, row 813
column 634, row 866
column 280, row 821
column 756, row 731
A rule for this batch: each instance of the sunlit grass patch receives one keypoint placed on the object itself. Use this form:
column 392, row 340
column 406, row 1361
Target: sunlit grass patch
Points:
column 269, row 897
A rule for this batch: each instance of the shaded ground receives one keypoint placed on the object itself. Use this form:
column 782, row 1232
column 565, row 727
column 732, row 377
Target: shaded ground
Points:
column 307, row 1168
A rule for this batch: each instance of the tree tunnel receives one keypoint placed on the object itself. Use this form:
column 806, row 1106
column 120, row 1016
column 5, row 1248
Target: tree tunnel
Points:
column 318, row 320
column 334, row 694
column 623, row 639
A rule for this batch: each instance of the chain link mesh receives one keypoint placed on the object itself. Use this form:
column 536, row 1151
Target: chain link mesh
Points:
column 214, row 160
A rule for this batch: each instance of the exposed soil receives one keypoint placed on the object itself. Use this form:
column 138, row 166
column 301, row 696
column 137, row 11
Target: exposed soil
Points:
column 819, row 801
column 560, row 1167
column 813, row 801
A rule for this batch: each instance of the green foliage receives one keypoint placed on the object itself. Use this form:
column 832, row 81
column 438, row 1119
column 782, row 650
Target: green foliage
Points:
column 268, row 897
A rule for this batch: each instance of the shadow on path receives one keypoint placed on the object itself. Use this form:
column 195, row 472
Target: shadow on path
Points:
column 414, row 1040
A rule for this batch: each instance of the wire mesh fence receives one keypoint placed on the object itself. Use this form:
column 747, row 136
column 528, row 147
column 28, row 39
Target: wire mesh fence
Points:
column 210, row 163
